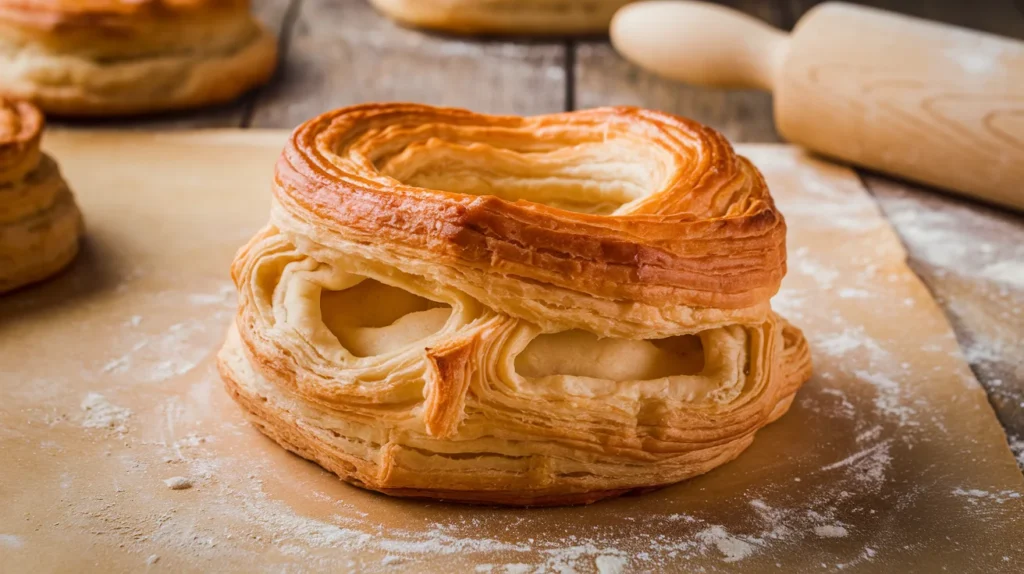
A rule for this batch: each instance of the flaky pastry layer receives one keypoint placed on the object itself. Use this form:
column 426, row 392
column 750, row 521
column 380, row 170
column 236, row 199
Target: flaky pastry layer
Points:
column 524, row 311
column 115, row 57
column 40, row 224
column 504, row 16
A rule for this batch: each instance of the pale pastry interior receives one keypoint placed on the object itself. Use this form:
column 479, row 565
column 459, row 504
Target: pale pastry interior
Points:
column 521, row 311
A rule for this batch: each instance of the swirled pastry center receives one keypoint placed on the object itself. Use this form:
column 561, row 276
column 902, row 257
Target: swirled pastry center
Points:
column 597, row 177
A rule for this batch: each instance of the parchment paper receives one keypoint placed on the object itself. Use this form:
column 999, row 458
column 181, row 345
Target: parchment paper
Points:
column 890, row 460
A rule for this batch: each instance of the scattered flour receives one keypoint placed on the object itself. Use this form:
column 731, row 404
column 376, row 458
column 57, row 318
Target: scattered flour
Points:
column 1009, row 272
column 153, row 559
column 888, row 399
column 1017, row 446
column 975, row 495
column 610, row 564
column 11, row 541
column 830, row 204
column 101, row 413
column 225, row 295
column 830, row 531
column 618, row 550
column 868, row 465
column 172, row 353
column 847, row 340
column 158, row 357
column 732, row 548
column 178, row 483
column 824, row 276
column 931, row 235
column 849, row 293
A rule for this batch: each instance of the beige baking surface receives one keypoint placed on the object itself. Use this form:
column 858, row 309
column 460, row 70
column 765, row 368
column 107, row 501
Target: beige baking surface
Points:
column 890, row 460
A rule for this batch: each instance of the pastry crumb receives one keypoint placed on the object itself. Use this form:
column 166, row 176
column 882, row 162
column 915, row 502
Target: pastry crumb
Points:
column 178, row 483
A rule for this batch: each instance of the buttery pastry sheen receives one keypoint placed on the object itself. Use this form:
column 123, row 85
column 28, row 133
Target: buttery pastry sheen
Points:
column 525, row 311
column 122, row 57
column 40, row 224
column 504, row 16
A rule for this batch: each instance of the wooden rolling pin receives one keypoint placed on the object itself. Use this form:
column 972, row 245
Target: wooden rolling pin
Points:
column 916, row 99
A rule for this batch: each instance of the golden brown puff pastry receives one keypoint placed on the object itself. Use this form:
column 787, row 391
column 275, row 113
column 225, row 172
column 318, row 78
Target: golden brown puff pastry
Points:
column 526, row 311
column 40, row 224
column 504, row 16
column 122, row 57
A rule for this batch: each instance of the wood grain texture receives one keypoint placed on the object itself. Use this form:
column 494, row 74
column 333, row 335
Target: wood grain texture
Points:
column 342, row 52
column 604, row 78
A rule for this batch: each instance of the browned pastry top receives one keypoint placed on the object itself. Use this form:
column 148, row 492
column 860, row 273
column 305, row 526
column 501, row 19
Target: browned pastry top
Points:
column 698, row 229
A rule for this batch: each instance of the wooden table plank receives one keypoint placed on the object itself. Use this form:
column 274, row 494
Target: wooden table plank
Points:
column 603, row 78
column 342, row 52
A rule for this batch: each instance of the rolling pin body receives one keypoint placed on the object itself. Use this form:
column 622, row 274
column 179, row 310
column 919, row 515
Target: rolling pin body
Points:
column 925, row 101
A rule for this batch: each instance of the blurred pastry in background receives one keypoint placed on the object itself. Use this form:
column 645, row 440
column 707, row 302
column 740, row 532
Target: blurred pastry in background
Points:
column 504, row 16
column 126, row 57
column 40, row 224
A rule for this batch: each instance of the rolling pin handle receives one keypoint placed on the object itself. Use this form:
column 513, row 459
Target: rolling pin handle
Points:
column 700, row 43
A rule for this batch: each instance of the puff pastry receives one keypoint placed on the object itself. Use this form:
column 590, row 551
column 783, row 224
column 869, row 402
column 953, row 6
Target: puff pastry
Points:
column 40, row 224
column 122, row 57
column 524, row 311
column 504, row 16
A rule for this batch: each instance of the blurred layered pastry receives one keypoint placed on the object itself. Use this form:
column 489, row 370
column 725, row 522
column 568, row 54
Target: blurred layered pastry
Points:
column 550, row 17
column 523, row 311
column 125, row 57
column 40, row 224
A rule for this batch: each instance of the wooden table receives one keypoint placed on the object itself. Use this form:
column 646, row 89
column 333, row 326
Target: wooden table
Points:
column 341, row 52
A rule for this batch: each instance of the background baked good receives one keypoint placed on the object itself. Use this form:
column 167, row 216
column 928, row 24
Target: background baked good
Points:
column 40, row 224
column 504, row 16
column 115, row 57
